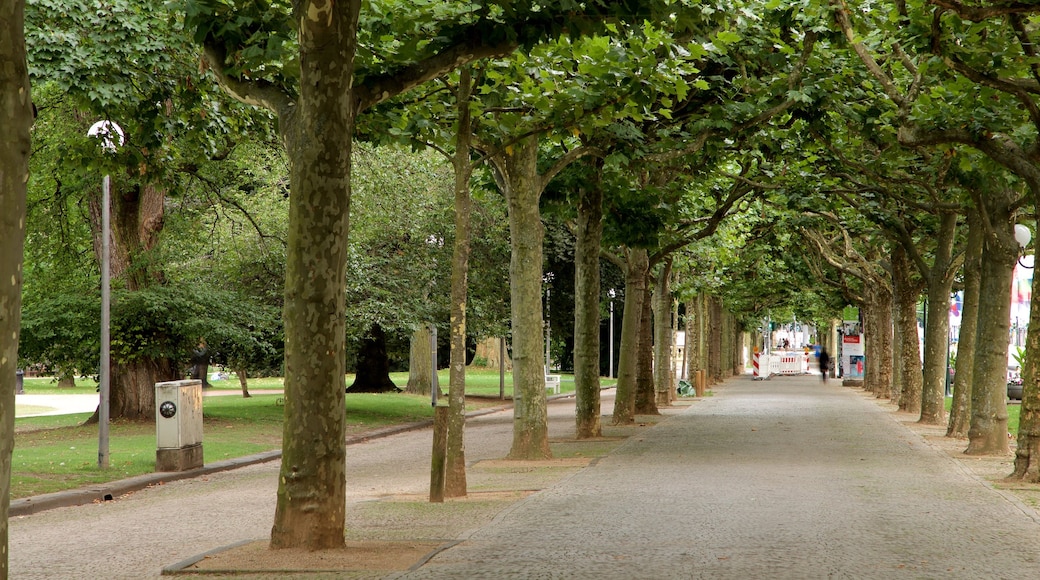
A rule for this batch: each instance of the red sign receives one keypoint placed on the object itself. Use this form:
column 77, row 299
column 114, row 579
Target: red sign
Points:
column 850, row 339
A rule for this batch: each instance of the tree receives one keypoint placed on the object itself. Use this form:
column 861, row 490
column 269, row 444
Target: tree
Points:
column 119, row 62
column 16, row 116
column 301, row 63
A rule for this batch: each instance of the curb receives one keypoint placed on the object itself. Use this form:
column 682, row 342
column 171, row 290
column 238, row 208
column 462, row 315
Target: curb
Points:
column 109, row 491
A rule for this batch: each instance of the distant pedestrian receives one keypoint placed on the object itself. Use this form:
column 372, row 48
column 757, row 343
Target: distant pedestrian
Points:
column 825, row 363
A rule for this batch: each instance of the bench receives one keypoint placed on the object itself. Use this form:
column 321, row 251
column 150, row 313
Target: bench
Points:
column 552, row 383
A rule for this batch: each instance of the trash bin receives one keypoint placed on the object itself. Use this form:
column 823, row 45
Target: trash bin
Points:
column 178, row 425
column 19, row 382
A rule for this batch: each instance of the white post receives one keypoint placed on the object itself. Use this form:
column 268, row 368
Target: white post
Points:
column 611, row 364
column 111, row 137
column 106, row 301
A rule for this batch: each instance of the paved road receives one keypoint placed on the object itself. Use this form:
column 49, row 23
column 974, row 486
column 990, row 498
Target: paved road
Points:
column 784, row 478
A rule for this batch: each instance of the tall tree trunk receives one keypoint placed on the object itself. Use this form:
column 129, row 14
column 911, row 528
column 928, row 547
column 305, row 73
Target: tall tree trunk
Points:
column 987, row 432
column 420, row 362
column 907, row 375
column 373, row 365
column 664, row 335
column 877, row 319
column 1027, row 453
column 587, row 248
column 455, row 469
column 636, row 269
column 714, row 339
column 645, row 397
column 960, row 410
column 688, row 344
column 317, row 131
column 138, row 216
column 243, row 381
column 937, row 335
column 519, row 175
column 673, row 349
column 16, row 118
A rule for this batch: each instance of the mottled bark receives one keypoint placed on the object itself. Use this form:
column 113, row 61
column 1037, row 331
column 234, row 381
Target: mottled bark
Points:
column 714, row 339
column 138, row 216
column 907, row 377
column 636, row 268
column 987, row 432
column 937, row 335
column 16, row 119
column 455, row 468
column 960, row 410
column 588, row 237
column 1027, row 453
column 877, row 321
column 420, row 362
column 243, row 381
column 317, row 130
column 518, row 173
column 664, row 335
column 645, row 402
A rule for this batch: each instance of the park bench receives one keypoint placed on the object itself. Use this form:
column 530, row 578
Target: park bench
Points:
column 552, row 383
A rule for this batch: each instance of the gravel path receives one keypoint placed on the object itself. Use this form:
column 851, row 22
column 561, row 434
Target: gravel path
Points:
column 784, row 478
column 137, row 535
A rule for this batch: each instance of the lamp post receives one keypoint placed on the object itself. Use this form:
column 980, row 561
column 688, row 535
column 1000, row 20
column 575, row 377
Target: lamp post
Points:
column 548, row 278
column 610, row 365
column 1022, row 236
column 111, row 136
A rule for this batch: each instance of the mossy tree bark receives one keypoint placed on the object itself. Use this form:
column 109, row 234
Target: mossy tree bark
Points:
column 455, row 468
column 636, row 267
column 587, row 246
column 664, row 371
column 907, row 377
column 420, row 362
column 317, row 131
column 138, row 213
column 1027, row 452
column 878, row 336
column 940, row 277
column 960, row 410
column 517, row 172
column 714, row 337
column 16, row 118
column 645, row 397
column 987, row 431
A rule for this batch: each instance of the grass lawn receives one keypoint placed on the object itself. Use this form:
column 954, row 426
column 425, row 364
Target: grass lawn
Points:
column 1013, row 413
column 54, row 453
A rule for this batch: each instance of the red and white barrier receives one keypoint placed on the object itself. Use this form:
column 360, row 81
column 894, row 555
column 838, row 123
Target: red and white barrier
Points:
column 760, row 364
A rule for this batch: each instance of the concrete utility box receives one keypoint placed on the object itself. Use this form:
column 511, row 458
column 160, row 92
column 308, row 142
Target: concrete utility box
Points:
column 178, row 425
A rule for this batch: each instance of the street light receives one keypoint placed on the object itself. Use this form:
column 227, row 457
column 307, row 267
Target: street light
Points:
column 547, row 278
column 111, row 136
column 1022, row 236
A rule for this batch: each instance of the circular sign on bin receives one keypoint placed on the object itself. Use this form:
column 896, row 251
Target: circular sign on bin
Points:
column 167, row 409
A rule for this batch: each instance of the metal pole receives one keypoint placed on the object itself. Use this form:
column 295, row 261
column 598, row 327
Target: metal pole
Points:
column 546, row 331
column 502, row 368
column 435, row 386
column 103, row 388
column 611, row 363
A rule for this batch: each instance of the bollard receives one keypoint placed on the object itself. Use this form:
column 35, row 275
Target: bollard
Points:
column 439, row 460
column 19, row 382
column 702, row 380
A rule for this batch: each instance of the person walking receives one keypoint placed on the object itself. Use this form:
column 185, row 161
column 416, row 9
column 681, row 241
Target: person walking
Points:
column 825, row 363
